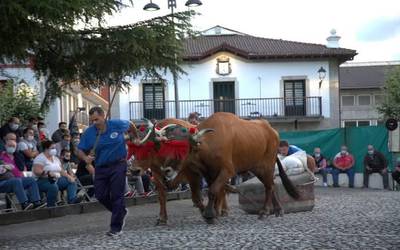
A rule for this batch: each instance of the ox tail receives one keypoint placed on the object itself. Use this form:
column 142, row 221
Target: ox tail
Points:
column 287, row 183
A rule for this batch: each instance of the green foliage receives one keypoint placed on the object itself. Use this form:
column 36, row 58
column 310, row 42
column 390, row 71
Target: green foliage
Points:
column 391, row 104
column 95, row 56
column 18, row 100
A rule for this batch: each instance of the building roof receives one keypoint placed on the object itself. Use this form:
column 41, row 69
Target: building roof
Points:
column 257, row 48
column 365, row 75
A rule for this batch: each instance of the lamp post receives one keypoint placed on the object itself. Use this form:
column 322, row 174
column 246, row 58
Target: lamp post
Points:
column 172, row 5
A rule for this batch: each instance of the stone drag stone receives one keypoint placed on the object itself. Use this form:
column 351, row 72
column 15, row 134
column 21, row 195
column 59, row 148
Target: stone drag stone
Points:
column 252, row 194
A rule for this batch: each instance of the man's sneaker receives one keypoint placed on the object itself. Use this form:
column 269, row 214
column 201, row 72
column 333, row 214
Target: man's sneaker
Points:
column 26, row 206
column 130, row 194
column 112, row 233
column 325, row 184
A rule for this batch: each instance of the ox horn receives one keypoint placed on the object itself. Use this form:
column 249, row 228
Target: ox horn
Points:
column 161, row 131
column 198, row 135
column 149, row 125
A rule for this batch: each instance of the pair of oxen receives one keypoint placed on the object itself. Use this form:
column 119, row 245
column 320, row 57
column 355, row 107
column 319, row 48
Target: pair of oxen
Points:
column 219, row 148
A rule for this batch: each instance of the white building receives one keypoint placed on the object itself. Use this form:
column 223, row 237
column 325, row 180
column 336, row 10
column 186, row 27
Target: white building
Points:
column 249, row 76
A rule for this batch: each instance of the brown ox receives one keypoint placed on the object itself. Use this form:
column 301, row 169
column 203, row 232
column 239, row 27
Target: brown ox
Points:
column 162, row 165
column 235, row 146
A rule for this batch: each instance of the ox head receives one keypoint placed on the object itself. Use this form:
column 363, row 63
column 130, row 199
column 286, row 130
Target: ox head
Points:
column 195, row 138
column 153, row 131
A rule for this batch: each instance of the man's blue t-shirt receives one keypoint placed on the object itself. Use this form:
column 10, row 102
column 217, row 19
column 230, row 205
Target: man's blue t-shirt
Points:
column 111, row 146
column 293, row 149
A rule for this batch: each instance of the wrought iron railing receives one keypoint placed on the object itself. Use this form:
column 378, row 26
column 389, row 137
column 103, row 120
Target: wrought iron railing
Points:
column 245, row 108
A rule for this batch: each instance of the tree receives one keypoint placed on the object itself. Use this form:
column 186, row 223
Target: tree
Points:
column 391, row 104
column 95, row 56
column 18, row 99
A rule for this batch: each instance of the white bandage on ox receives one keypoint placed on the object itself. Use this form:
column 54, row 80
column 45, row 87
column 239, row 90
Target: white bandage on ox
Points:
column 169, row 173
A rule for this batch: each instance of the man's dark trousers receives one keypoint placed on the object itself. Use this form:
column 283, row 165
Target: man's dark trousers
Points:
column 385, row 177
column 109, row 185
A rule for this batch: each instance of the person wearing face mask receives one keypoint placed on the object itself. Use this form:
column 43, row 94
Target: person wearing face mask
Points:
column 13, row 125
column 57, row 135
column 343, row 162
column 14, row 181
column 65, row 143
column 43, row 132
column 51, row 177
column 28, row 146
column 74, row 148
column 375, row 162
column 321, row 166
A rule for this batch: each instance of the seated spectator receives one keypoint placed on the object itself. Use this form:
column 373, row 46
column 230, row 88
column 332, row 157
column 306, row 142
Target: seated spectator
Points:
column 85, row 177
column 194, row 118
column 12, row 178
column 28, row 146
column 51, row 177
column 343, row 162
column 57, row 135
column 33, row 124
column 67, row 165
column 74, row 148
column 396, row 171
column 43, row 132
column 64, row 144
column 13, row 125
column 321, row 166
column 375, row 162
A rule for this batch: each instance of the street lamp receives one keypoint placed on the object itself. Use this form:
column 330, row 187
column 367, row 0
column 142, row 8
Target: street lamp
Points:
column 172, row 5
column 321, row 74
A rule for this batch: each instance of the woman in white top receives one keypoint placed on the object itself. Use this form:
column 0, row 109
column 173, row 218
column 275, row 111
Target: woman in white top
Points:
column 51, row 177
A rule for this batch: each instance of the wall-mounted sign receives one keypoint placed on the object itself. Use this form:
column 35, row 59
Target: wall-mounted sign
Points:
column 223, row 66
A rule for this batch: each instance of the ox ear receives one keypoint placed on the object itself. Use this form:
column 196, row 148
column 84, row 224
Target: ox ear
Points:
column 196, row 137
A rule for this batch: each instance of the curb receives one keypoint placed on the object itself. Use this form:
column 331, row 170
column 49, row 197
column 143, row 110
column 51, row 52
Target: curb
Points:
column 81, row 208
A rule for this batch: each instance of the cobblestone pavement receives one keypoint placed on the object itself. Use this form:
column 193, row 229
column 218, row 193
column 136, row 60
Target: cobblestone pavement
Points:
column 341, row 219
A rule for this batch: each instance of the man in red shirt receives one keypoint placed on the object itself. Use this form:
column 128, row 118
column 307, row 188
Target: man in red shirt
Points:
column 343, row 163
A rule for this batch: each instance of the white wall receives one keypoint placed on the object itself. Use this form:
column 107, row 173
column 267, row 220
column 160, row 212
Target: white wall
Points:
column 197, row 84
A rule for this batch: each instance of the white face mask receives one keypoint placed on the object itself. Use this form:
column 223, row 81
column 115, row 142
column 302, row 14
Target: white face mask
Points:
column 343, row 152
column 30, row 137
column 53, row 152
column 317, row 154
column 10, row 150
column 14, row 126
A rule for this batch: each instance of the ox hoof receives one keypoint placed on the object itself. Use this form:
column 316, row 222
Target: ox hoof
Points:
column 279, row 212
column 209, row 214
column 263, row 214
column 161, row 222
column 210, row 221
column 224, row 213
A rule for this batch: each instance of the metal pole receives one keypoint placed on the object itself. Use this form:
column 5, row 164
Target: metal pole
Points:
column 172, row 5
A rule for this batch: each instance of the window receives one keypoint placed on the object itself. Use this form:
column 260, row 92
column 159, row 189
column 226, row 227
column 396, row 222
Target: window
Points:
column 380, row 123
column 348, row 100
column 378, row 99
column 350, row 124
column 363, row 123
column 364, row 100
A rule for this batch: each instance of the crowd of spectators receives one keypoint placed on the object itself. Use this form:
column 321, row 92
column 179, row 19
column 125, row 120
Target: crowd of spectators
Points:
column 39, row 167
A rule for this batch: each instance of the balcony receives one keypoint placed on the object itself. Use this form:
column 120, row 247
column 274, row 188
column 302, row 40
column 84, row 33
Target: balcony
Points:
column 248, row 108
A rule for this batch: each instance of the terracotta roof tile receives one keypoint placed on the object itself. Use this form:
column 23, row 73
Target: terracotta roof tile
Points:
column 251, row 47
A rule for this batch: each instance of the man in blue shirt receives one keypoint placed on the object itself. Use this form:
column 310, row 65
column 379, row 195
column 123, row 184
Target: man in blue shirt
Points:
column 109, row 157
column 285, row 149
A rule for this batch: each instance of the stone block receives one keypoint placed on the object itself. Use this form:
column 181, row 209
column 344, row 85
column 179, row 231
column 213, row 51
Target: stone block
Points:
column 252, row 195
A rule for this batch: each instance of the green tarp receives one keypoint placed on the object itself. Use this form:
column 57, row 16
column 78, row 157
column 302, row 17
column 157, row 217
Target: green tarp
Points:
column 355, row 138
